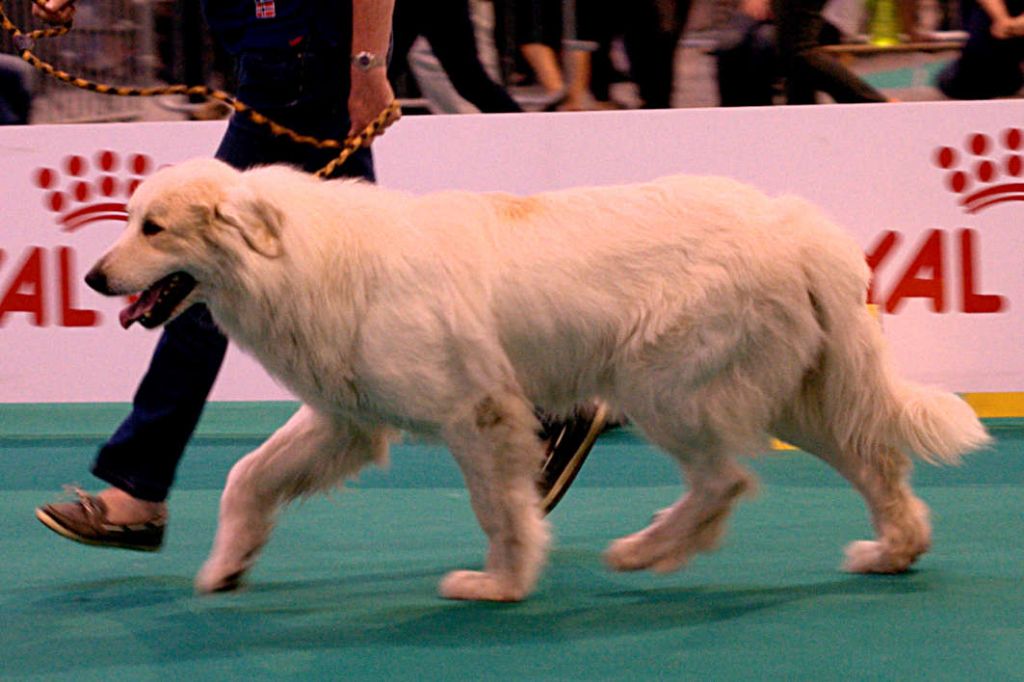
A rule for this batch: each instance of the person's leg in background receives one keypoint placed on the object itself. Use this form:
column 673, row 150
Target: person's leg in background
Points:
column 448, row 27
column 806, row 70
column 406, row 25
column 601, row 21
column 746, row 70
column 579, row 44
column 653, row 29
column 538, row 27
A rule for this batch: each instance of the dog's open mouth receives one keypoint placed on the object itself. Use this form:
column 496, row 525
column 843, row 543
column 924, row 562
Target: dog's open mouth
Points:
column 158, row 303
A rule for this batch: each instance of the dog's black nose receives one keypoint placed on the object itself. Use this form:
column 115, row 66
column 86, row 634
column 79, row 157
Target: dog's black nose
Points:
column 97, row 280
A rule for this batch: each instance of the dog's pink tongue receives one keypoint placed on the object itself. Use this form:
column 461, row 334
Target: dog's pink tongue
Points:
column 134, row 312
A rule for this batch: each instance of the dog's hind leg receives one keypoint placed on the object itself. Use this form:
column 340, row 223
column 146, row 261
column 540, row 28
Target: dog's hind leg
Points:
column 693, row 524
column 311, row 452
column 496, row 445
column 899, row 517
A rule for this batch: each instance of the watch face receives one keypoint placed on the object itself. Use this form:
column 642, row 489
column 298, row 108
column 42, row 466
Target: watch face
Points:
column 365, row 60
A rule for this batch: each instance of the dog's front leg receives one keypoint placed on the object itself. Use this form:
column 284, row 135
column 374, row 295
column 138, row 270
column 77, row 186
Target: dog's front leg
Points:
column 496, row 445
column 310, row 452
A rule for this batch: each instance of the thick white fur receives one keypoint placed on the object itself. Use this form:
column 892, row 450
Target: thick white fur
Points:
column 708, row 313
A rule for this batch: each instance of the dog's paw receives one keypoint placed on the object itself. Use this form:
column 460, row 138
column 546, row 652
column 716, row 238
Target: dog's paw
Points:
column 479, row 586
column 213, row 577
column 631, row 553
column 868, row 556
column 671, row 562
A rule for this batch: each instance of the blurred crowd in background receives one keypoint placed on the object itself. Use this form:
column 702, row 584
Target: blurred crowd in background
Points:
column 459, row 56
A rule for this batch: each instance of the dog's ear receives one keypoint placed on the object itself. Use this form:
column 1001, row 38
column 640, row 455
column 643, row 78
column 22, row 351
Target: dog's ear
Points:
column 257, row 220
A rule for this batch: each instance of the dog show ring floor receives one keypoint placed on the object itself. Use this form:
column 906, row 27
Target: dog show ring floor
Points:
column 346, row 589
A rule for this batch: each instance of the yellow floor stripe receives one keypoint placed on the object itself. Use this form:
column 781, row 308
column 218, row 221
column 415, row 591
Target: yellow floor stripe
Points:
column 995, row 405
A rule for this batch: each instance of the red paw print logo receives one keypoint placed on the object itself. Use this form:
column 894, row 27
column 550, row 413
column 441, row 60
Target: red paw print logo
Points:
column 80, row 192
column 986, row 171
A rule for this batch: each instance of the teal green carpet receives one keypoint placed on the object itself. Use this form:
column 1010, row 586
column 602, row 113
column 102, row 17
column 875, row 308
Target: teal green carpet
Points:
column 346, row 588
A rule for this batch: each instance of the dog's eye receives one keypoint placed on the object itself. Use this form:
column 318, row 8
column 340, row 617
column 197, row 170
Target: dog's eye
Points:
column 149, row 228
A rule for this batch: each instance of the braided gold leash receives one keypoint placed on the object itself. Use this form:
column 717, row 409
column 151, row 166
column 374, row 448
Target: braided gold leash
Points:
column 24, row 42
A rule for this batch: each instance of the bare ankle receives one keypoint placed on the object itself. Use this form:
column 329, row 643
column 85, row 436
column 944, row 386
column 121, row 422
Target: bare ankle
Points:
column 124, row 508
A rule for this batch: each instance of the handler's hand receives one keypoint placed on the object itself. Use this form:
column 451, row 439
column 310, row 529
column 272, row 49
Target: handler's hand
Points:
column 1015, row 27
column 55, row 11
column 371, row 94
column 758, row 10
column 1001, row 28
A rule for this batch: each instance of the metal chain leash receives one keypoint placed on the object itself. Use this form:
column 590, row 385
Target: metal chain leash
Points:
column 25, row 42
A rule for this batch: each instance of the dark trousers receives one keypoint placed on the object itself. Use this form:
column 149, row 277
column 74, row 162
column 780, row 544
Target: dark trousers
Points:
column 747, row 63
column 308, row 92
column 448, row 27
column 15, row 91
column 987, row 67
column 806, row 70
column 651, row 32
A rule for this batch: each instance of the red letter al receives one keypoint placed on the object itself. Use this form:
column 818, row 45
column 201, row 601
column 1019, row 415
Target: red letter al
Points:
column 69, row 315
column 974, row 302
column 29, row 277
column 878, row 253
column 929, row 258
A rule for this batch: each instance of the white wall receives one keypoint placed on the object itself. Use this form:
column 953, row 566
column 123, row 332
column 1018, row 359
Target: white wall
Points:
column 874, row 168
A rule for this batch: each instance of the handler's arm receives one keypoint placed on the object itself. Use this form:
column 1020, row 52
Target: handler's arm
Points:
column 371, row 32
column 1001, row 21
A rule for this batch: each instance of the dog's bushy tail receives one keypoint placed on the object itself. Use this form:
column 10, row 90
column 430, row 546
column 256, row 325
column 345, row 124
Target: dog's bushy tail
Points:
column 936, row 425
column 868, row 409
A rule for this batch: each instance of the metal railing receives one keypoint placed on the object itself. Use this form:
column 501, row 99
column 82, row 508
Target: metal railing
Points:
column 112, row 41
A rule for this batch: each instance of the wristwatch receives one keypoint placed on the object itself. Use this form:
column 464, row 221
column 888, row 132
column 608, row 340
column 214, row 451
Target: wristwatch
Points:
column 364, row 61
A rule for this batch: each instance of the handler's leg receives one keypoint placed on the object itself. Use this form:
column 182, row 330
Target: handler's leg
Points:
column 567, row 444
column 140, row 459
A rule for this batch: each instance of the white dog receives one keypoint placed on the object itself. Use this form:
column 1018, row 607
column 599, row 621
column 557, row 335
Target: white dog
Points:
column 708, row 313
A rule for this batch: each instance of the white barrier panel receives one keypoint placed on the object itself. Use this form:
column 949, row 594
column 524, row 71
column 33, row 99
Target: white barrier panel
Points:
column 932, row 192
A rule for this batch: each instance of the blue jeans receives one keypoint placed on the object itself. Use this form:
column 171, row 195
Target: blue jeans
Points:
column 987, row 66
column 303, row 90
column 15, row 90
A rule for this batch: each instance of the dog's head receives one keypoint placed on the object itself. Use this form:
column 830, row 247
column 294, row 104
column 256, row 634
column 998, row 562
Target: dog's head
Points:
column 186, row 225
